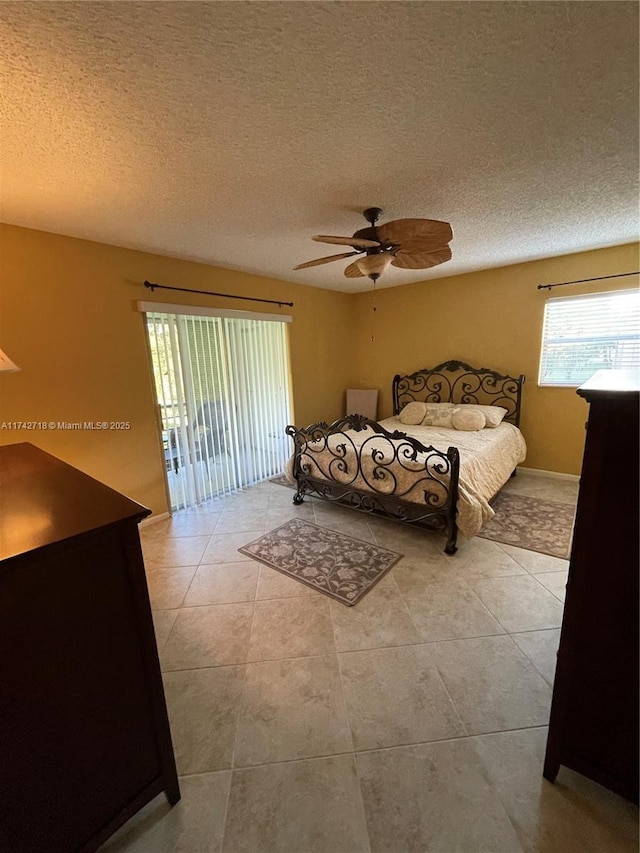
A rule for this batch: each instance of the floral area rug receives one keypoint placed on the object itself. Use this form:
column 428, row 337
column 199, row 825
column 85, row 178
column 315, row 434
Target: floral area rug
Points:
column 340, row 566
column 531, row 523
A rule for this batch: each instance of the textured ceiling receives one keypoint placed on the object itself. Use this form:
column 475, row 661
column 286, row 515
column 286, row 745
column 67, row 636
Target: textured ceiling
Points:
column 231, row 132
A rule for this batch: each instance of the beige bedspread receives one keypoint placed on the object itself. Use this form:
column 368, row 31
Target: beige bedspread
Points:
column 487, row 458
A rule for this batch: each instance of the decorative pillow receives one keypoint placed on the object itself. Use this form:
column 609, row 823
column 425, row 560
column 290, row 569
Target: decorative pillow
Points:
column 413, row 413
column 467, row 420
column 493, row 414
column 439, row 415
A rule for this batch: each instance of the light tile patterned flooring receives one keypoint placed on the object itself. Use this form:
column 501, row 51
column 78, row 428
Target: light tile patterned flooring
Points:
column 415, row 721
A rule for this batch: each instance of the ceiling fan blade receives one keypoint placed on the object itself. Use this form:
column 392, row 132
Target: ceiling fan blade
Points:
column 420, row 260
column 353, row 271
column 348, row 241
column 326, row 260
column 430, row 233
column 419, row 247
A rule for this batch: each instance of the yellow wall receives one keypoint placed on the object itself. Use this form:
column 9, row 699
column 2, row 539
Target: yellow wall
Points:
column 68, row 318
column 491, row 318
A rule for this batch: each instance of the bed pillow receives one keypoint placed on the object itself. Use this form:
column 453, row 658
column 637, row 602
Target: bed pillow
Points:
column 439, row 415
column 493, row 414
column 413, row 413
column 469, row 421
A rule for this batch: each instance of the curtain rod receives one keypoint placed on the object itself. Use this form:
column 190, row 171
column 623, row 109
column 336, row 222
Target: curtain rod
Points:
column 154, row 286
column 581, row 280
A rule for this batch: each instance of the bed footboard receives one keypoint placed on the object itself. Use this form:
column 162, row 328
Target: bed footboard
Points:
column 358, row 463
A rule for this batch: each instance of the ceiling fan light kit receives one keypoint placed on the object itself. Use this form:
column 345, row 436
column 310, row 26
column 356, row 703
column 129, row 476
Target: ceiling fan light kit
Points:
column 411, row 244
column 374, row 265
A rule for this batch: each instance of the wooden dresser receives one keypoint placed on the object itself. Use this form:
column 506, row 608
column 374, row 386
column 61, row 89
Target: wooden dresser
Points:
column 594, row 713
column 84, row 734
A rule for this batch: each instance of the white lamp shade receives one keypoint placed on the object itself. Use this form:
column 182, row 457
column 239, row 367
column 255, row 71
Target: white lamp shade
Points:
column 6, row 365
column 374, row 264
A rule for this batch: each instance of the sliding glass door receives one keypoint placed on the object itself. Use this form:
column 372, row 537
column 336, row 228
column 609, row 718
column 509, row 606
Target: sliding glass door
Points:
column 222, row 386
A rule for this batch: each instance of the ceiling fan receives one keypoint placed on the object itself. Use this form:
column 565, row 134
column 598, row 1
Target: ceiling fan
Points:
column 410, row 244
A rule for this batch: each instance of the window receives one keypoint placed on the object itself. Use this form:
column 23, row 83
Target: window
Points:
column 582, row 334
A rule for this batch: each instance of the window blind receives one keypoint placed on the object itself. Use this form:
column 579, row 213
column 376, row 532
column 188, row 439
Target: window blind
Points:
column 222, row 386
column 583, row 334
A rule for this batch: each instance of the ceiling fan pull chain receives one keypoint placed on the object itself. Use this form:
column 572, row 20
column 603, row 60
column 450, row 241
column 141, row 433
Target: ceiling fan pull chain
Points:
column 373, row 324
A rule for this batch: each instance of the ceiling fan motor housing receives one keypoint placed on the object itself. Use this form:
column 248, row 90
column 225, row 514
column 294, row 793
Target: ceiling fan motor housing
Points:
column 370, row 234
column 372, row 214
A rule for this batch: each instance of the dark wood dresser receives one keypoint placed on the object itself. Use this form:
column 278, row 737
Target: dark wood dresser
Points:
column 594, row 713
column 84, row 734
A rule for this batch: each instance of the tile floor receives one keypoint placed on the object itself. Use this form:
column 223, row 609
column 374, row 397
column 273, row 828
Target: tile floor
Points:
column 412, row 722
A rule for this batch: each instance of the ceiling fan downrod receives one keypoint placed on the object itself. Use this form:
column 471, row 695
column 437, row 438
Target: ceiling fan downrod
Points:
column 373, row 268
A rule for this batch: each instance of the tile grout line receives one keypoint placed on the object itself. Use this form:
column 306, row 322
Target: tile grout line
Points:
column 527, row 550
column 472, row 590
column 408, row 612
column 226, row 810
column 356, row 752
column 435, row 666
column 534, row 631
column 184, row 597
column 401, row 593
column 509, row 577
column 363, row 811
column 514, row 558
column 547, row 588
column 486, row 607
column 507, row 634
column 344, row 701
column 495, row 789
column 241, row 698
column 351, row 651
column 450, row 697
column 179, row 608
column 351, row 730
column 530, row 659
column 353, row 753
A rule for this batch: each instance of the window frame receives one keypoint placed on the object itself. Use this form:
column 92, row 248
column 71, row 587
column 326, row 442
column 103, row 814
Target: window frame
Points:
column 543, row 340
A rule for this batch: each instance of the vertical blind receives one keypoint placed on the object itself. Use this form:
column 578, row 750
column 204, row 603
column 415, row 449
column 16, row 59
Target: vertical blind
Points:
column 583, row 334
column 222, row 385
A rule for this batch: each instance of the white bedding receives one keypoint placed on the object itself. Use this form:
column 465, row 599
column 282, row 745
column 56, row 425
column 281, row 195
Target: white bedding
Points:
column 487, row 458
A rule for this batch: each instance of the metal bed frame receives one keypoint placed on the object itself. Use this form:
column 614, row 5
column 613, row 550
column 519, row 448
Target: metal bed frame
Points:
column 343, row 462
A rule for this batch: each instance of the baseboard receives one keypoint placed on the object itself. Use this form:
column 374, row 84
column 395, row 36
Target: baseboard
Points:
column 538, row 472
column 154, row 519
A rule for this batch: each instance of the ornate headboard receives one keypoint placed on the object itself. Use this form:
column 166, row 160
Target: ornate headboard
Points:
column 457, row 382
